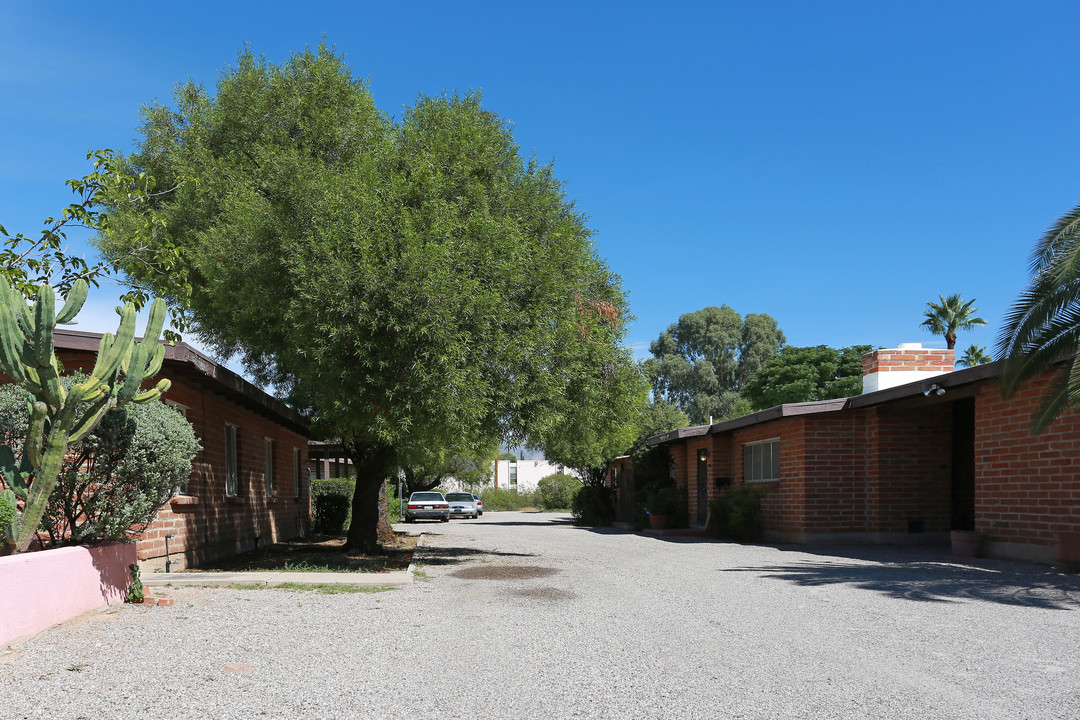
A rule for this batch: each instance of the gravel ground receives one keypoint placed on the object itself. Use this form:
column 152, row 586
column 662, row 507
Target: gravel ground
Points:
column 524, row 616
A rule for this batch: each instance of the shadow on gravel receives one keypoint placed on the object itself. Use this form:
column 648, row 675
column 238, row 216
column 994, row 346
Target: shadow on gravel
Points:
column 458, row 555
column 547, row 523
column 923, row 579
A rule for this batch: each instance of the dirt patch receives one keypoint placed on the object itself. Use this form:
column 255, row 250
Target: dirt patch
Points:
column 546, row 593
column 504, row 572
column 319, row 554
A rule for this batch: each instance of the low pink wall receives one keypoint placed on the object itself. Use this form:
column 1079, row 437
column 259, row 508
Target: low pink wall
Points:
column 40, row 589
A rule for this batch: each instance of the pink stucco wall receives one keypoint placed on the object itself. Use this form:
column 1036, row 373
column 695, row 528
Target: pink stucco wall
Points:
column 40, row 589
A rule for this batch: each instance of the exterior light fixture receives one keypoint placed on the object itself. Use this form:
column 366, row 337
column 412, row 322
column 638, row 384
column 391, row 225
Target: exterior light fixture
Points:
column 934, row 389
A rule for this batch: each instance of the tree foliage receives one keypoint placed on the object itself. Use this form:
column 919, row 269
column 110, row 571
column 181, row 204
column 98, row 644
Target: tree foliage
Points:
column 1042, row 328
column 27, row 261
column 701, row 362
column 469, row 467
column 410, row 284
column 974, row 355
column 949, row 315
column 805, row 374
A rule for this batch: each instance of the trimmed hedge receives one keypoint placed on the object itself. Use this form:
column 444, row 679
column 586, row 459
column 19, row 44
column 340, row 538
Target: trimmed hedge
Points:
column 331, row 505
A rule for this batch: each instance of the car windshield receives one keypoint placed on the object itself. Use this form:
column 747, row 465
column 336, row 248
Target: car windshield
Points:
column 426, row 497
column 455, row 497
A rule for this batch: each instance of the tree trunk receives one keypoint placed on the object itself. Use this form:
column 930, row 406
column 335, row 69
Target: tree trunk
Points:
column 374, row 464
column 950, row 341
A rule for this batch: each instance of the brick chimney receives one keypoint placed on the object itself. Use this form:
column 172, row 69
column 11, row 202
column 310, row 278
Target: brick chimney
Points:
column 907, row 362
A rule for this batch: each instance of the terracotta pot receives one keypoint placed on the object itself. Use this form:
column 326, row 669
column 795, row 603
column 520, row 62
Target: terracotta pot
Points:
column 967, row 543
column 658, row 522
column 1067, row 548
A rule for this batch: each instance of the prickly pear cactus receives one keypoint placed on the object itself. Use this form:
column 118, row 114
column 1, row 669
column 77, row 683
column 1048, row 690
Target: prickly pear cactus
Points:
column 61, row 417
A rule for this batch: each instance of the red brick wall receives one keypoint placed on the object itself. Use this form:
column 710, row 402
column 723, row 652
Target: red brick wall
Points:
column 833, row 475
column 205, row 523
column 785, row 504
column 912, row 478
column 1026, row 488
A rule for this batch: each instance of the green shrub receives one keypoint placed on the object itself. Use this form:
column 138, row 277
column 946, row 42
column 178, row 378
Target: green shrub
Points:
column 556, row 491
column 113, row 482
column 393, row 507
column 331, row 504
column 502, row 499
column 593, row 506
column 738, row 514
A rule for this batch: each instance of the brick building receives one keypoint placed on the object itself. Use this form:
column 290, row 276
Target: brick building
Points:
column 924, row 450
column 249, row 483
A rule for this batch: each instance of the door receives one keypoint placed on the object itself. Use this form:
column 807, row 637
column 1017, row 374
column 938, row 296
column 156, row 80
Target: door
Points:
column 702, row 487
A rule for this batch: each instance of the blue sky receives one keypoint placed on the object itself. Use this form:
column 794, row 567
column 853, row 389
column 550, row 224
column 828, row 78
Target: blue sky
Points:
column 833, row 164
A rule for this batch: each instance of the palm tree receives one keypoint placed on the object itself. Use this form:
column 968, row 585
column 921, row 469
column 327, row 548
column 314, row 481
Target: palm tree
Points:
column 950, row 315
column 1043, row 326
column 975, row 355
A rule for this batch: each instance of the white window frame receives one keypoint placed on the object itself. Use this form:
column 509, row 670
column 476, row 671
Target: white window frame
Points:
column 761, row 461
column 232, row 461
column 512, row 473
column 268, row 466
column 297, row 466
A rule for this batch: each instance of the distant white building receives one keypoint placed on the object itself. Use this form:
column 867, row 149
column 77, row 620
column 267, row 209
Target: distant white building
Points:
column 524, row 475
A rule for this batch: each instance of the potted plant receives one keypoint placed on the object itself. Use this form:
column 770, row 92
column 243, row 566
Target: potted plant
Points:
column 1067, row 549
column 662, row 504
column 967, row 543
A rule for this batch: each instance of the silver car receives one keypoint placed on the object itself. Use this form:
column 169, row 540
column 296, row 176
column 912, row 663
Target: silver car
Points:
column 427, row 506
column 462, row 505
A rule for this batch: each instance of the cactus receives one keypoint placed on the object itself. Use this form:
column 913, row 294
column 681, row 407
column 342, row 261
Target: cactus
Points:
column 59, row 417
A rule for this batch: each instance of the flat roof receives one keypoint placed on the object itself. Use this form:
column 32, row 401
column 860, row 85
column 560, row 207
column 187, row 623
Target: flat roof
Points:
column 956, row 379
column 195, row 365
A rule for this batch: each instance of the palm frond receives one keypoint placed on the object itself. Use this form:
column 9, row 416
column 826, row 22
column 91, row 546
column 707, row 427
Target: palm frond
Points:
column 1056, row 401
column 1062, row 240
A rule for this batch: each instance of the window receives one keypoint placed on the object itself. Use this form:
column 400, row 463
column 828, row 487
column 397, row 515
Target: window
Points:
column 232, row 465
column 268, row 465
column 761, row 461
column 513, row 474
column 297, row 466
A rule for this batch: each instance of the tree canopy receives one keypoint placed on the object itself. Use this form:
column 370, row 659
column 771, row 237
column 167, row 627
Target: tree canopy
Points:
column 974, row 355
column 805, row 374
column 409, row 283
column 949, row 315
column 701, row 362
column 1042, row 328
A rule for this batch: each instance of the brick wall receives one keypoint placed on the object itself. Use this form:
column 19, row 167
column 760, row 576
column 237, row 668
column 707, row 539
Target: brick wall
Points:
column 912, row 475
column 785, row 504
column 1026, row 488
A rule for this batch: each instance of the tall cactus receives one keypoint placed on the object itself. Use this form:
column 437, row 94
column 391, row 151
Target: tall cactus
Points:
column 60, row 417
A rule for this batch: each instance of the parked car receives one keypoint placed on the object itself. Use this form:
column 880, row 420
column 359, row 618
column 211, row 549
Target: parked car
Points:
column 479, row 504
column 427, row 506
column 463, row 505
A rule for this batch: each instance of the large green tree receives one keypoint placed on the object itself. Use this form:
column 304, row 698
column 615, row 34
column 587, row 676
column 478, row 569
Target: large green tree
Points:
column 949, row 315
column 412, row 284
column 805, row 374
column 701, row 362
column 1042, row 329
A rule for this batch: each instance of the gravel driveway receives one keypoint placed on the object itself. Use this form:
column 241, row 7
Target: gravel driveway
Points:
column 522, row 615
